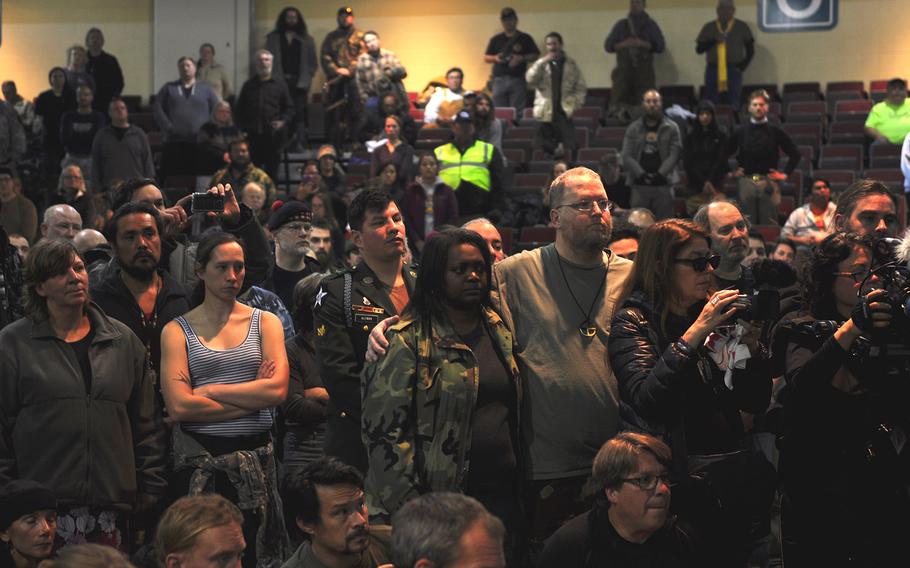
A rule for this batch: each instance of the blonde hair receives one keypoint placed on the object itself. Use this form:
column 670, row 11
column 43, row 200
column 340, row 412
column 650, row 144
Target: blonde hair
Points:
column 188, row 517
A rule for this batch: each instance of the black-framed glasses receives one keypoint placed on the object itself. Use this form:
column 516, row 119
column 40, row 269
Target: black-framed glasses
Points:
column 587, row 205
column 701, row 263
column 857, row 277
column 649, row 482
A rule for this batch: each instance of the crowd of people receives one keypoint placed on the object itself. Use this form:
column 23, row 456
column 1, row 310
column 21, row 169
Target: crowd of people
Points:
column 343, row 375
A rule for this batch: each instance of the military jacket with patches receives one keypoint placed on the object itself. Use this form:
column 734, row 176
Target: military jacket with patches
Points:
column 418, row 407
column 348, row 305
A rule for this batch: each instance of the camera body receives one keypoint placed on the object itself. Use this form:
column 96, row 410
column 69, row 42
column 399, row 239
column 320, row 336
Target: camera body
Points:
column 207, row 202
column 758, row 305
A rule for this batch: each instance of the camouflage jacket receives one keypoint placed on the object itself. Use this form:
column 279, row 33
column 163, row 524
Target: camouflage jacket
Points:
column 428, row 382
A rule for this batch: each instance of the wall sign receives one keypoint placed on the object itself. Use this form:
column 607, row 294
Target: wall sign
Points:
column 797, row 15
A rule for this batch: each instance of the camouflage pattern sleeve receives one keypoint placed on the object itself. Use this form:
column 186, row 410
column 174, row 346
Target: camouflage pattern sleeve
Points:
column 388, row 429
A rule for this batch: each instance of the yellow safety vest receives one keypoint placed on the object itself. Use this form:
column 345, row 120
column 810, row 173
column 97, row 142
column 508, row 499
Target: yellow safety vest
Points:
column 473, row 166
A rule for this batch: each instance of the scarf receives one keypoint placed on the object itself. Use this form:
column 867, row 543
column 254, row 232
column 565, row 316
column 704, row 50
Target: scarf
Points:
column 722, row 55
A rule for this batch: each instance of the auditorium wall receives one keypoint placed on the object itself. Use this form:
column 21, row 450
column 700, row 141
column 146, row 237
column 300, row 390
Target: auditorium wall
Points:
column 430, row 36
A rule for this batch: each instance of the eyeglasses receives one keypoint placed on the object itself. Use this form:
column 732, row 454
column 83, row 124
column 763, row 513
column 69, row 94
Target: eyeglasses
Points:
column 857, row 277
column 587, row 206
column 700, row 264
column 296, row 227
column 648, row 482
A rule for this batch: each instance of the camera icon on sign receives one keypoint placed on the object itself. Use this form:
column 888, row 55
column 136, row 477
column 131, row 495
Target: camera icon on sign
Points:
column 796, row 15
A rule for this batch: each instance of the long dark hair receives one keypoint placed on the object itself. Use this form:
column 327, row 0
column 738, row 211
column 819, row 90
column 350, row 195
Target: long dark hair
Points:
column 210, row 241
column 430, row 288
column 481, row 123
column 654, row 265
column 818, row 273
column 300, row 29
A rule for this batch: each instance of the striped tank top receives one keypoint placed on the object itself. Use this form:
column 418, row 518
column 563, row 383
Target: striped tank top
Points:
column 225, row 367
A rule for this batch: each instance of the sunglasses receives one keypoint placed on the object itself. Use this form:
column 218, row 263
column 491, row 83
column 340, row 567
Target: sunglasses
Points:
column 701, row 264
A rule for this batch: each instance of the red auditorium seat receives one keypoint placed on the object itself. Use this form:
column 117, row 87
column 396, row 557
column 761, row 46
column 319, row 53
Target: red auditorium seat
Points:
column 537, row 235
column 852, row 110
column 839, row 179
column 771, row 233
column 851, row 132
column 841, row 157
column 507, row 114
column 884, row 156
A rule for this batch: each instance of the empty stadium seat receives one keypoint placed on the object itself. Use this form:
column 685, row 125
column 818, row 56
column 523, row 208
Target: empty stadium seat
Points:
column 852, row 110
column 846, row 133
column 884, row 156
column 841, row 157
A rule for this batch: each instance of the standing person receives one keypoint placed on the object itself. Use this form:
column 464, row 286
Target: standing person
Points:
column 395, row 151
column 559, row 91
column 241, row 171
column 672, row 385
column 77, row 409
column 441, row 409
column 427, row 203
column 842, row 407
column 347, row 307
column 76, row 72
column 212, row 73
column 181, row 108
column 338, row 54
column 704, row 156
column 573, row 285
column 50, row 106
column 136, row 291
column 17, row 213
column 651, row 149
column 73, row 191
column 120, row 151
column 473, row 168
column 104, row 69
column 264, row 110
column 510, row 52
column 304, row 411
column 28, row 524
column 78, row 129
column 224, row 369
column 757, row 146
column 25, row 110
column 635, row 40
column 729, row 46
column 290, row 225
column 378, row 71
column 294, row 51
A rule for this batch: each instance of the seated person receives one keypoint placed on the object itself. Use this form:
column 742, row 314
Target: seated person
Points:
column 200, row 527
column 810, row 223
column 757, row 248
column 784, row 250
column 488, row 127
column 624, row 241
column 446, row 101
column 374, row 120
column 331, row 172
column 28, row 523
column 325, row 500
column 446, row 530
column 630, row 523
column 889, row 121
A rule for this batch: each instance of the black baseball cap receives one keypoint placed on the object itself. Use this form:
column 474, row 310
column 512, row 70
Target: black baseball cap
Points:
column 507, row 13
column 345, row 10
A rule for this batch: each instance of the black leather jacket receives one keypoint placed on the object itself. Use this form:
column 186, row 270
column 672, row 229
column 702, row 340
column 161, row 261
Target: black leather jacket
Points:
column 663, row 385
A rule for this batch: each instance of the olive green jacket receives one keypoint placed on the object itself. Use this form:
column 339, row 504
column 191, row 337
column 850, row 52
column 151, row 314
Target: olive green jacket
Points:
column 418, row 407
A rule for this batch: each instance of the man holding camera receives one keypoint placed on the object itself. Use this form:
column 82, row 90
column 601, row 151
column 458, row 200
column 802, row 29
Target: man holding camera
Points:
column 510, row 52
column 650, row 150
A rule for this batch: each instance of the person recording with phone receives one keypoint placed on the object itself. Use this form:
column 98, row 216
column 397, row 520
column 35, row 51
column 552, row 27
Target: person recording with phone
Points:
column 844, row 465
column 665, row 348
